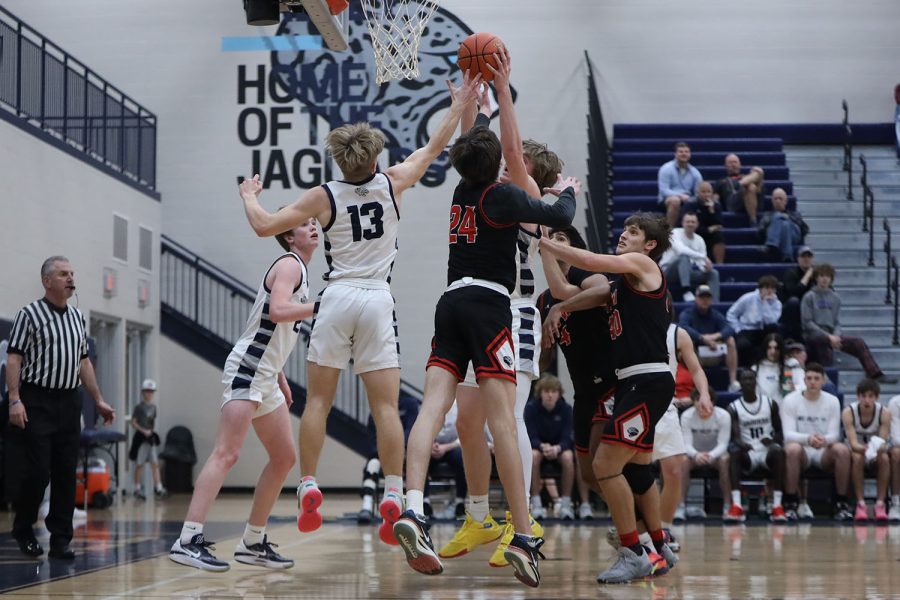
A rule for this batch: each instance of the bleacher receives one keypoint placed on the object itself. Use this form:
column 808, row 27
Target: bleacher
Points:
column 637, row 153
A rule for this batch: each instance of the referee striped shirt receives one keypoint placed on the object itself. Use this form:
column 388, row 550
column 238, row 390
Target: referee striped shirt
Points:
column 52, row 342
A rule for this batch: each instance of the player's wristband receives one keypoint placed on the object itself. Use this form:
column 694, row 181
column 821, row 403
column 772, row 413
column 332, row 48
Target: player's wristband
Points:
column 14, row 402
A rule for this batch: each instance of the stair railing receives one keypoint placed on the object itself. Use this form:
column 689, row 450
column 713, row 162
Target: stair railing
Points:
column 887, row 261
column 896, row 284
column 599, row 176
column 848, row 150
column 868, row 209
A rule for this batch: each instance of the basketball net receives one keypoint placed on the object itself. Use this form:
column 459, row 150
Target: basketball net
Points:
column 396, row 27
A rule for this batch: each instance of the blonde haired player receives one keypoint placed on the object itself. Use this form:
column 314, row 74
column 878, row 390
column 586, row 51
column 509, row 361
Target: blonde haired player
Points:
column 354, row 318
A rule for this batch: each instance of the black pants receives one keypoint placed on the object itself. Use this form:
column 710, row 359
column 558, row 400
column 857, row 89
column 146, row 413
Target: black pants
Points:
column 46, row 451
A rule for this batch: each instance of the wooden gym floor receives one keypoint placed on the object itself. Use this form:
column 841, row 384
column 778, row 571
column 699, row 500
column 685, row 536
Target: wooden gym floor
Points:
column 122, row 554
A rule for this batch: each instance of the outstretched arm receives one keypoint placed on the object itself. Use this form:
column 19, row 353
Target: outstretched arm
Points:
column 592, row 297
column 312, row 203
column 481, row 114
column 407, row 173
column 640, row 265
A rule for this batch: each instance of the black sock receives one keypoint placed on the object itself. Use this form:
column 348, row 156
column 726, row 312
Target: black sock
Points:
column 790, row 500
column 638, row 549
column 841, row 499
column 658, row 546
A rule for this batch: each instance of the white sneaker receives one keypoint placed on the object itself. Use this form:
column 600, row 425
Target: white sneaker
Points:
column 538, row 511
column 564, row 510
column 449, row 511
column 695, row 512
column 79, row 514
column 585, row 512
column 734, row 386
column 894, row 514
column 804, row 512
column 680, row 514
column 261, row 555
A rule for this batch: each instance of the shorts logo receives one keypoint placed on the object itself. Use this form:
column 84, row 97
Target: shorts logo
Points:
column 633, row 432
column 633, row 428
column 506, row 356
column 508, row 361
column 609, row 405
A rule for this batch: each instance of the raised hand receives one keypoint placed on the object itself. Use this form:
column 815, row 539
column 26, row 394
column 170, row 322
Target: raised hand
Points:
column 467, row 91
column 251, row 188
column 502, row 70
column 561, row 184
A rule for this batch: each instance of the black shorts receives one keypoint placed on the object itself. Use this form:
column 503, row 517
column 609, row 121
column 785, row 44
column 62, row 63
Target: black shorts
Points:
column 593, row 403
column 473, row 323
column 641, row 401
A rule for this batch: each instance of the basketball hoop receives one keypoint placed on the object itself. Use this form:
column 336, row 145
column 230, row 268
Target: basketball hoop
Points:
column 396, row 27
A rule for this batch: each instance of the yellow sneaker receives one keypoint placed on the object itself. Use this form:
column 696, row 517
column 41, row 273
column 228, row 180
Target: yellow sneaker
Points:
column 497, row 558
column 471, row 534
column 536, row 529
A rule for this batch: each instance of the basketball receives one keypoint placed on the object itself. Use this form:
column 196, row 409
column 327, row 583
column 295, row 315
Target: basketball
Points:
column 476, row 51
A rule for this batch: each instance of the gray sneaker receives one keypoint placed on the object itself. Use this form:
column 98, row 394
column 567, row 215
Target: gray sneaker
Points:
column 612, row 538
column 628, row 566
column 667, row 553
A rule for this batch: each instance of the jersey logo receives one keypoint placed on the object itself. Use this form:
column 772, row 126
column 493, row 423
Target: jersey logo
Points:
column 361, row 192
column 462, row 224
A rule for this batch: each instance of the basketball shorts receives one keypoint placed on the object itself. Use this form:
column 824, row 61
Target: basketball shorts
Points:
column 814, row 456
column 593, row 403
column 526, row 335
column 669, row 440
column 264, row 391
column 355, row 319
column 147, row 454
column 758, row 459
column 472, row 324
column 641, row 401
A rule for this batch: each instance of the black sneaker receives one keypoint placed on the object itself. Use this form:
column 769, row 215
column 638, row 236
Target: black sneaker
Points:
column 842, row 512
column 261, row 555
column 28, row 544
column 364, row 517
column 195, row 554
column 412, row 534
column 523, row 555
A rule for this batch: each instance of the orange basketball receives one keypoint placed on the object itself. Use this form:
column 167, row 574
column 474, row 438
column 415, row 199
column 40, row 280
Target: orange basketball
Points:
column 476, row 51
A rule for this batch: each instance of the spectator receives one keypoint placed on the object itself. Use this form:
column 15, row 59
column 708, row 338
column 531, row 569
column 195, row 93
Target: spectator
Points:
column 739, row 192
column 549, row 423
column 781, row 230
column 811, row 423
column 796, row 281
column 711, row 334
column 145, row 440
column 777, row 375
column 756, row 443
column 686, row 261
column 709, row 214
column 678, row 180
column 446, row 450
column 894, row 407
column 754, row 315
column 820, row 313
column 706, row 445
column 867, row 429
column 797, row 351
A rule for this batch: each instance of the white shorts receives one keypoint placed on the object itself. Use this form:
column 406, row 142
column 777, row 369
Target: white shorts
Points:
column 758, row 459
column 354, row 319
column 526, row 335
column 814, row 455
column 668, row 440
column 265, row 393
column 147, row 454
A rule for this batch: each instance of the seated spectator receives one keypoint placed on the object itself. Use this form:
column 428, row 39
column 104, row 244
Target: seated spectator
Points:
column 781, row 230
column 738, row 191
column 446, row 450
column 811, row 424
column 686, row 264
column 678, row 180
column 820, row 313
column 549, row 422
column 867, row 429
column 711, row 334
column 894, row 407
column 706, row 445
column 797, row 351
column 409, row 410
column 776, row 374
column 754, row 315
column 711, row 223
column 756, row 445
column 795, row 282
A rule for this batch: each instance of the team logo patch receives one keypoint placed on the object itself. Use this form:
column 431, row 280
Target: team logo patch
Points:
column 609, row 404
column 506, row 356
column 633, row 428
column 361, row 192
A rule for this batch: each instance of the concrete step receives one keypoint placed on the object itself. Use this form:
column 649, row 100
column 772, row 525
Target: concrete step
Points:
column 851, row 240
column 843, row 208
column 838, row 191
column 819, row 161
column 847, row 258
column 860, row 295
column 838, row 150
column 831, row 176
column 848, row 379
column 879, row 335
column 878, row 312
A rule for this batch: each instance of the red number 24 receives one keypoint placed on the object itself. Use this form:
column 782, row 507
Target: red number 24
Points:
column 463, row 225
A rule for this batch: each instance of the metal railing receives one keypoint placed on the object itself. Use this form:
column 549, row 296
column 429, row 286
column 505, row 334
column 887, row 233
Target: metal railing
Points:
column 43, row 87
column 887, row 261
column 599, row 174
column 848, row 149
column 868, row 209
column 896, row 285
column 218, row 303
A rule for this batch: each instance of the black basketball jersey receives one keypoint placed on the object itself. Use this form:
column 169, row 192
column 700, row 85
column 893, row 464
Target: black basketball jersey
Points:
column 583, row 335
column 638, row 322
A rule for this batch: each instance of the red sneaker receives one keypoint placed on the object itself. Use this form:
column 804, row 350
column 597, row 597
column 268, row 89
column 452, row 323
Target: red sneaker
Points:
column 390, row 509
column 735, row 514
column 778, row 515
column 309, row 502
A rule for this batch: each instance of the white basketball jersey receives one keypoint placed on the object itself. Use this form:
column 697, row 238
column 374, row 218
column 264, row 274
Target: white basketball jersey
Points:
column 672, row 347
column 865, row 432
column 755, row 425
column 264, row 346
column 361, row 238
column 526, row 248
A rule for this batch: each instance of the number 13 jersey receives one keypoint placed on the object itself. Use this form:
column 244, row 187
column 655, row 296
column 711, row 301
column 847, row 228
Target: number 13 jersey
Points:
column 361, row 238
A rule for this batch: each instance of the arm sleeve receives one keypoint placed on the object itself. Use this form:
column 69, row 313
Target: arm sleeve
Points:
column 20, row 335
column 698, row 179
column 566, row 439
column 686, row 322
column 662, row 181
column 837, row 314
column 789, row 426
column 833, row 434
column 510, row 204
column 734, row 313
column 722, row 325
column 531, row 424
column 724, row 420
column 792, row 285
column 806, row 315
column 482, row 120
column 681, row 248
column 687, row 433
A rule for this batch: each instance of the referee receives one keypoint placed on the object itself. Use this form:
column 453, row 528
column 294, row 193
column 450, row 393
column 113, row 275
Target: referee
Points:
column 47, row 360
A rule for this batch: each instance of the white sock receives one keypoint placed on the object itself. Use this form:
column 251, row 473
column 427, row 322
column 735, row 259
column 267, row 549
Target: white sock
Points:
column 646, row 540
column 895, row 500
column 306, row 484
column 860, row 502
column 367, row 502
column 523, row 389
column 253, row 534
column 189, row 530
column 736, row 497
column 415, row 500
column 666, row 525
column 478, row 507
column 776, row 498
column 393, row 484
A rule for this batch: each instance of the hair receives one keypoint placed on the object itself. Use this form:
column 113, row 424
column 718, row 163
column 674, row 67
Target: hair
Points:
column 690, row 213
column 355, row 148
column 706, row 184
column 547, row 382
column 681, row 145
column 47, row 267
column 823, row 269
column 868, row 386
column 476, row 155
column 767, row 281
column 655, row 228
column 575, row 239
column 815, row 368
column 774, row 337
column 713, row 396
column 280, row 237
column 545, row 164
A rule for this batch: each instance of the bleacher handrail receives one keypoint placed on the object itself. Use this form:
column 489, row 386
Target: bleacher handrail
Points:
column 868, row 225
column 54, row 94
column 848, row 149
column 599, row 163
column 887, row 260
column 896, row 339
